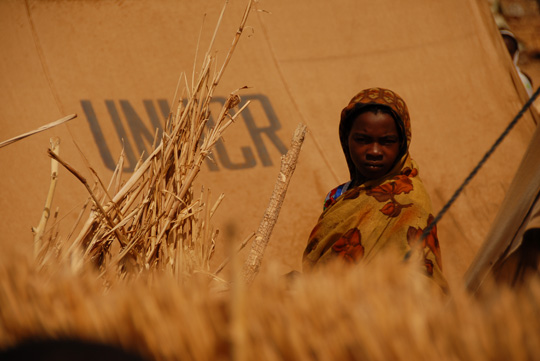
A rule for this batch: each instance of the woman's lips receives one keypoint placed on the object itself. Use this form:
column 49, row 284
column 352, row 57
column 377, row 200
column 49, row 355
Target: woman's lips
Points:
column 373, row 165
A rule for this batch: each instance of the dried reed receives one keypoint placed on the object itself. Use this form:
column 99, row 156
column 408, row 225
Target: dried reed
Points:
column 40, row 229
column 154, row 220
column 38, row 130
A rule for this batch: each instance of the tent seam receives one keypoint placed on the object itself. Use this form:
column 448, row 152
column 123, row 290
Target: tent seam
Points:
column 289, row 93
column 42, row 59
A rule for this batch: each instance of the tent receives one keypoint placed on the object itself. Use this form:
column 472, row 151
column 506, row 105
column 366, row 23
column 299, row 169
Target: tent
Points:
column 116, row 64
column 511, row 250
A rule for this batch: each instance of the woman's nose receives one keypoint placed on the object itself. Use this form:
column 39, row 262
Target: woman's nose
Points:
column 375, row 151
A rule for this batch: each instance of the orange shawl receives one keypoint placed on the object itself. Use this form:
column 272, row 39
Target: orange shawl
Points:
column 377, row 215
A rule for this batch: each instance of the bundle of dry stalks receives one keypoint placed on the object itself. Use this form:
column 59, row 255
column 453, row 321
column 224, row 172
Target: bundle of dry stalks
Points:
column 154, row 220
column 380, row 311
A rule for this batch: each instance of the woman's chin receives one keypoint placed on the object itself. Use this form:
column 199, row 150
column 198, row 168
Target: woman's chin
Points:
column 373, row 174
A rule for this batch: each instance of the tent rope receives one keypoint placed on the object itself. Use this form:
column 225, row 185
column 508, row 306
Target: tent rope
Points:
column 448, row 204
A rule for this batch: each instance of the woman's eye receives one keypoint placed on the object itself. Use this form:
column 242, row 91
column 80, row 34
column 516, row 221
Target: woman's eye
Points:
column 360, row 138
column 388, row 141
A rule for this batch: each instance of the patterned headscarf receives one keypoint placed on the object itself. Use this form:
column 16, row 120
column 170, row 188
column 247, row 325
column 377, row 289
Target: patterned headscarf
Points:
column 380, row 96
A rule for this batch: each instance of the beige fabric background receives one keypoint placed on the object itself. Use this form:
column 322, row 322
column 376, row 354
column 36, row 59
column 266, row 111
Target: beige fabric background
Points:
column 519, row 212
column 302, row 61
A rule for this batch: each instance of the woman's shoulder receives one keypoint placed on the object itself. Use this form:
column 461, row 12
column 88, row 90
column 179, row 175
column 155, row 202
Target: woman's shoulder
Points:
column 335, row 193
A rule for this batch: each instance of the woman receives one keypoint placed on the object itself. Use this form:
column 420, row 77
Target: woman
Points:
column 385, row 204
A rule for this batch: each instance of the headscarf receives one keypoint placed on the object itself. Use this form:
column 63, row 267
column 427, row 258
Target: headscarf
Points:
column 375, row 215
column 373, row 96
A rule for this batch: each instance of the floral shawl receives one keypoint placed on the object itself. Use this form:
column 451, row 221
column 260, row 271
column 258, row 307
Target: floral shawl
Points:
column 381, row 214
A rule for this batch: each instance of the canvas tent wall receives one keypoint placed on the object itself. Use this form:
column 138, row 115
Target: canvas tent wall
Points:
column 511, row 250
column 116, row 64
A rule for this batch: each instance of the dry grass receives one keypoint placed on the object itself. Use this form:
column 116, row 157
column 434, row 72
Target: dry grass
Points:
column 371, row 312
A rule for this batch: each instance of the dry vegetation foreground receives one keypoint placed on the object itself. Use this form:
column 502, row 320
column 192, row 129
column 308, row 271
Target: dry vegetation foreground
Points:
column 370, row 312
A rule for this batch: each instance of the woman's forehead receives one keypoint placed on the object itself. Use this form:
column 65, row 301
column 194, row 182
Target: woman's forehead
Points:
column 376, row 123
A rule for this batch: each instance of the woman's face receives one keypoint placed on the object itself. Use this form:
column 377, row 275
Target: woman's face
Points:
column 373, row 144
